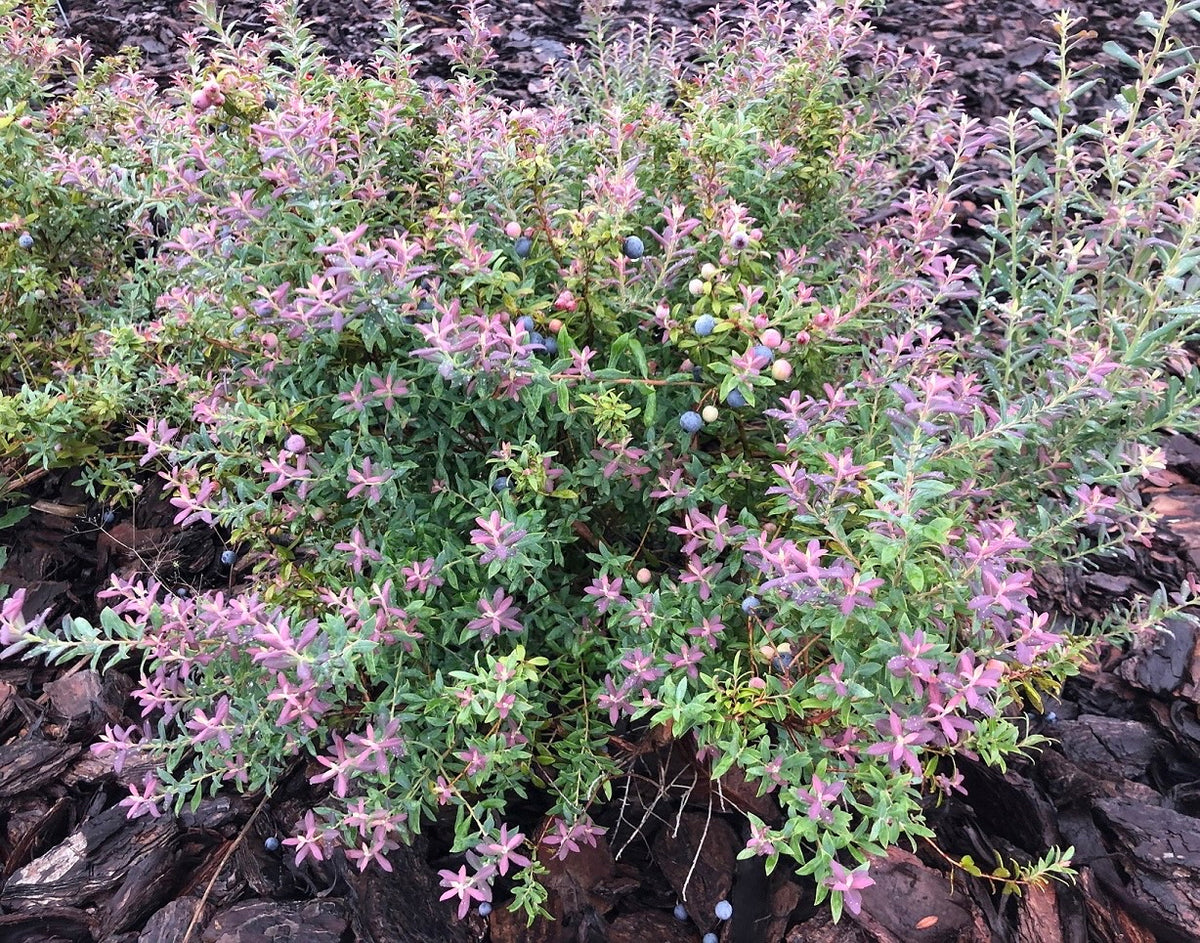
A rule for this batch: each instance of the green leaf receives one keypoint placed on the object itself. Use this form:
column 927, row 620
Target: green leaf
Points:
column 14, row 515
column 1117, row 52
column 639, row 357
column 1147, row 21
column 1043, row 119
column 915, row 576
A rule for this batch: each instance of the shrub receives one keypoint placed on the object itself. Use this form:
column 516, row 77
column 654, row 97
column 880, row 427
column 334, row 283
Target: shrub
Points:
column 398, row 353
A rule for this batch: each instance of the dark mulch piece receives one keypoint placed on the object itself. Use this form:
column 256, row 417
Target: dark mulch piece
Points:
column 1122, row 785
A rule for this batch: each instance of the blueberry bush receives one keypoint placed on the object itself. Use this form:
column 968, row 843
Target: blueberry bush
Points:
column 662, row 410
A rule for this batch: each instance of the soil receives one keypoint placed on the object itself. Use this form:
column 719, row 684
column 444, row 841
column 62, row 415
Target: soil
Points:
column 1121, row 783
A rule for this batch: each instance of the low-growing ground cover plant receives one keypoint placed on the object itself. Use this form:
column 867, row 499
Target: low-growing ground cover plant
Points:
column 629, row 413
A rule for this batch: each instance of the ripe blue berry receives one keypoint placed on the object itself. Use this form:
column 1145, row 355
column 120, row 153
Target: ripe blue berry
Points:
column 536, row 339
column 749, row 604
column 705, row 325
column 697, row 373
column 522, row 247
column 736, row 399
column 763, row 352
column 723, row 910
column 229, row 557
column 691, row 421
column 25, row 241
column 500, row 484
column 271, row 844
column 525, row 323
column 709, row 938
column 270, row 103
column 484, row 909
column 108, row 518
column 633, row 247
column 551, row 346
column 681, row 913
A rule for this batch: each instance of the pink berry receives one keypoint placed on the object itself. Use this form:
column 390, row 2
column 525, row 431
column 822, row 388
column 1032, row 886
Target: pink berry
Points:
column 644, row 576
column 781, row 370
column 513, row 230
column 772, row 338
column 555, row 325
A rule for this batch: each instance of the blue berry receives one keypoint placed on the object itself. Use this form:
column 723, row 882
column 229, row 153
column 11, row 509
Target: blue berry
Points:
column 691, row 421
column 681, row 913
column 270, row 103
column 763, row 352
column 749, row 604
column 551, row 346
column 108, row 518
column 525, row 323
column 500, row 484
column 25, row 241
column 736, row 399
column 697, row 373
column 705, row 324
column 271, row 844
column 484, row 909
column 536, row 339
column 522, row 247
column 633, row 248
column 229, row 557
column 709, row 938
column 723, row 910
